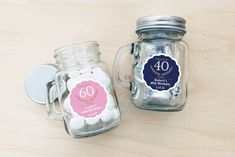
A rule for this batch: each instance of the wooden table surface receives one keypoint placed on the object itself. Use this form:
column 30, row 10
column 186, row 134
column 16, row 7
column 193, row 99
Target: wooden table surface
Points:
column 29, row 32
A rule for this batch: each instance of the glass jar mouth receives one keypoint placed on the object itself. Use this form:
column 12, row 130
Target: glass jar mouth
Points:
column 77, row 54
column 162, row 33
column 69, row 49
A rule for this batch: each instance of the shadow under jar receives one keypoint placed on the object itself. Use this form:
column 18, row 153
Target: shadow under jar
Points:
column 86, row 96
column 159, row 64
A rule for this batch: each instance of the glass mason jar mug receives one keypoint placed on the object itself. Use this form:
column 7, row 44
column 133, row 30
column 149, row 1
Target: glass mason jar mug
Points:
column 84, row 89
column 159, row 64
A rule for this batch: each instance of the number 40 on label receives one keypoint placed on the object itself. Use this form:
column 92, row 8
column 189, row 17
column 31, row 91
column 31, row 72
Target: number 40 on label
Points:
column 161, row 65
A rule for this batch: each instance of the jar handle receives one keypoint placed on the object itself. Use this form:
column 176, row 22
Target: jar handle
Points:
column 118, row 65
column 51, row 92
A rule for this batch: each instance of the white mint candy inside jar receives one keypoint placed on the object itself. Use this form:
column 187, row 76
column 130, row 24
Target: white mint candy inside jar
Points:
column 82, row 86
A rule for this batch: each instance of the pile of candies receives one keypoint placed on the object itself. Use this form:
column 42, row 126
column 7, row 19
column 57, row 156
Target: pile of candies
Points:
column 110, row 111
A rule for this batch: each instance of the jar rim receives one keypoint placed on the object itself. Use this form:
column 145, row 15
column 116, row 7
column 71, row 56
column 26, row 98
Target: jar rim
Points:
column 76, row 45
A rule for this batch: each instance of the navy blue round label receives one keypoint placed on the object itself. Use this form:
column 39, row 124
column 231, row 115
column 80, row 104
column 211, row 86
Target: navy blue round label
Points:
column 161, row 72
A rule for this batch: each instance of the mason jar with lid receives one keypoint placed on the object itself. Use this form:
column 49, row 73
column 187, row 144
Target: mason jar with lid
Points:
column 158, row 74
column 83, row 86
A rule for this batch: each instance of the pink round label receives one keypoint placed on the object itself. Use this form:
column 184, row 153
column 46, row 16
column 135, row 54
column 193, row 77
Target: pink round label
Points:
column 88, row 99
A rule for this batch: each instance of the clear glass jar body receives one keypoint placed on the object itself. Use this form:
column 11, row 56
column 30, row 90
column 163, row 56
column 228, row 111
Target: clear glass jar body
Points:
column 86, row 96
column 167, row 44
column 159, row 70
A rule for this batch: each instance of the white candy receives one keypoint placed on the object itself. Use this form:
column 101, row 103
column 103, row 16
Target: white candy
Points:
column 92, row 121
column 71, row 83
column 165, row 95
column 162, row 95
column 85, row 71
column 98, row 71
column 76, row 123
column 104, row 80
column 74, row 74
column 101, row 76
column 82, row 74
column 66, row 105
column 110, row 103
column 116, row 113
column 107, row 115
column 87, row 76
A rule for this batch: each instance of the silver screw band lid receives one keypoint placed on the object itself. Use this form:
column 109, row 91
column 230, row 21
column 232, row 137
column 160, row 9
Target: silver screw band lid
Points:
column 158, row 22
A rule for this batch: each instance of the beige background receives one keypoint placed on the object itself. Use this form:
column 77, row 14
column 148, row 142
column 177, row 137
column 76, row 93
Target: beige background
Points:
column 30, row 30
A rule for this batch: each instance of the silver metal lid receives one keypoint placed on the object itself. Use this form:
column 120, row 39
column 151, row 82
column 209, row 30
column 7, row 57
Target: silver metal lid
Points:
column 35, row 83
column 152, row 22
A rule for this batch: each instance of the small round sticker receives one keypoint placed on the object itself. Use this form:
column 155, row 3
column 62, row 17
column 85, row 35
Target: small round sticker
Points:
column 161, row 72
column 88, row 99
